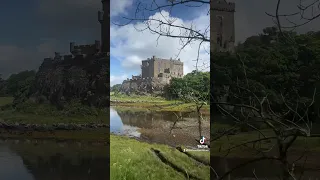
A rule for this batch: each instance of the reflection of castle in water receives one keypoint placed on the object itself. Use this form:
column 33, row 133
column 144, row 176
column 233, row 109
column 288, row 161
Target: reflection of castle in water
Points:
column 58, row 166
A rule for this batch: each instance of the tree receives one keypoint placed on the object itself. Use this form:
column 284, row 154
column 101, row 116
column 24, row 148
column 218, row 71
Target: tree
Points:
column 18, row 85
column 196, row 82
column 269, row 87
column 115, row 88
column 2, row 87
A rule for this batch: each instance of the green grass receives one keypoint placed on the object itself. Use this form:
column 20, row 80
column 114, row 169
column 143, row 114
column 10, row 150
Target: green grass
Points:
column 33, row 113
column 122, row 97
column 12, row 116
column 153, row 103
column 220, row 146
column 131, row 159
column 5, row 101
column 97, row 135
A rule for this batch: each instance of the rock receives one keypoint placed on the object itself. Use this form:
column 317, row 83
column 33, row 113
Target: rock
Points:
column 62, row 81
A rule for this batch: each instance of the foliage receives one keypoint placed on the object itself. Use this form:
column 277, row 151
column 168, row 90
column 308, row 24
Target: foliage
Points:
column 74, row 108
column 195, row 84
column 3, row 91
column 18, row 85
column 271, row 64
column 115, row 88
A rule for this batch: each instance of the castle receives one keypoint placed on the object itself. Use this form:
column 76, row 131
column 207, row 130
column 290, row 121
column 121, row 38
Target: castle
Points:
column 222, row 26
column 91, row 49
column 155, row 74
column 160, row 68
column 157, row 67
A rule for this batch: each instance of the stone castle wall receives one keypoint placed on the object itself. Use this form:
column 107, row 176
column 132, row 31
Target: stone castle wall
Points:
column 144, row 85
column 222, row 26
column 157, row 67
column 83, row 78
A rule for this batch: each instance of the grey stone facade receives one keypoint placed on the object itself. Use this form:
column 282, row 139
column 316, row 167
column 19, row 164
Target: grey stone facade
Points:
column 222, row 26
column 155, row 74
column 165, row 68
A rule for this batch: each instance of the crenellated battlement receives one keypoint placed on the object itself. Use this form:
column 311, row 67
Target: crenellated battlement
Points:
column 85, row 49
column 223, row 6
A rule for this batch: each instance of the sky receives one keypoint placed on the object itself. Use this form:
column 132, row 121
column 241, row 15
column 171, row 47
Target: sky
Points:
column 34, row 29
column 130, row 46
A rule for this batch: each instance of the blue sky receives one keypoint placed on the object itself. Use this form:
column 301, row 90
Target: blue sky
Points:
column 129, row 46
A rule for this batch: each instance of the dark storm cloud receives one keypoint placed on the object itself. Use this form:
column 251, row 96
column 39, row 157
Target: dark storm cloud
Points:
column 54, row 24
column 251, row 17
column 63, row 18
column 15, row 59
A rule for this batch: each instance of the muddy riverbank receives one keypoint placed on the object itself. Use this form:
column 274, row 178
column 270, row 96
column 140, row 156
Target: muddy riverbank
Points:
column 159, row 127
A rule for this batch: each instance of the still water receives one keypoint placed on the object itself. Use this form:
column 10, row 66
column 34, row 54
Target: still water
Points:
column 35, row 160
column 158, row 127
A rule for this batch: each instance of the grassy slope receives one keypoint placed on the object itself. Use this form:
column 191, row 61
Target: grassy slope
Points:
column 313, row 144
column 5, row 101
column 46, row 114
column 131, row 159
column 153, row 103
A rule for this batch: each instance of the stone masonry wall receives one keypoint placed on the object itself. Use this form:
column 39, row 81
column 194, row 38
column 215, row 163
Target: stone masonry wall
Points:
column 147, row 85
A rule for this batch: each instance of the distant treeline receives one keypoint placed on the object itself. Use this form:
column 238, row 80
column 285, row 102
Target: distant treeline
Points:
column 17, row 84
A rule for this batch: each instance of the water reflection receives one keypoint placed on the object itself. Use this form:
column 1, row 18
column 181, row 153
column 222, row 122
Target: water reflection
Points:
column 118, row 127
column 157, row 126
column 12, row 166
column 52, row 161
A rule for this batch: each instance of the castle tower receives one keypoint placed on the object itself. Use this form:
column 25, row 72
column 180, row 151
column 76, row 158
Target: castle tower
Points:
column 104, row 20
column 222, row 25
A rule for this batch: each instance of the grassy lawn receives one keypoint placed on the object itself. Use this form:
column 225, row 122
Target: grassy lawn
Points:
column 97, row 135
column 33, row 113
column 11, row 116
column 153, row 103
column 122, row 97
column 131, row 159
column 44, row 114
column 5, row 101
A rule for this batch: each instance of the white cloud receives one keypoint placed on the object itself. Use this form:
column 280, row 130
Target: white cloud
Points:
column 131, row 46
column 117, row 79
column 119, row 6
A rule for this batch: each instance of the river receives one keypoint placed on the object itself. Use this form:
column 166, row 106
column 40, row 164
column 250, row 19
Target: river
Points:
column 157, row 127
column 50, row 160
